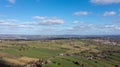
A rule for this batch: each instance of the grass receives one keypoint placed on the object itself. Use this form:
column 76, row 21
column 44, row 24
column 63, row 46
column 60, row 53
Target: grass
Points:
column 34, row 52
column 66, row 61
column 14, row 52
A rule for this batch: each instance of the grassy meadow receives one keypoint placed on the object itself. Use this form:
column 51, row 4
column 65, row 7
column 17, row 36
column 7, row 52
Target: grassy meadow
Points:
column 59, row 53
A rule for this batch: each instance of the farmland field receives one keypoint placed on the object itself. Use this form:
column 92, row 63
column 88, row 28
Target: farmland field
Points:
column 59, row 53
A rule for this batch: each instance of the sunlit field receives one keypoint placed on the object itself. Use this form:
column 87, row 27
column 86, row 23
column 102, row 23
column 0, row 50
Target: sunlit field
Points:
column 59, row 53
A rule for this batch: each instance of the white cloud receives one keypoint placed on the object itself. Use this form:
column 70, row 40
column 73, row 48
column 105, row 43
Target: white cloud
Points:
column 77, row 22
column 105, row 1
column 52, row 21
column 11, row 23
column 81, row 13
column 12, row 1
column 111, row 27
column 47, row 21
column 2, row 21
column 111, row 13
column 49, row 29
column 30, row 23
column 96, row 27
column 117, row 28
column 12, row 20
column 39, row 17
column 81, row 26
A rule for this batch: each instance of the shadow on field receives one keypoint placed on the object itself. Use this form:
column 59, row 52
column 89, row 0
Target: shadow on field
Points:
column 4, row 65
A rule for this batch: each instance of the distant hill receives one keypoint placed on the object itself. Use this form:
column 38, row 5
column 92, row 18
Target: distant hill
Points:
column 45, row 37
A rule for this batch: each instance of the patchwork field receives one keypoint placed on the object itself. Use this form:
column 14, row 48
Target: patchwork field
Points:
column 59, row 53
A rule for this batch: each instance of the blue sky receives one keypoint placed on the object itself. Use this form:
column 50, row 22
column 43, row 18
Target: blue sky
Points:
column 60, row 17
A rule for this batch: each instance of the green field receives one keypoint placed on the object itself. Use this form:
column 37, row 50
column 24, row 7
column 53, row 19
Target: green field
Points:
column 60, row 53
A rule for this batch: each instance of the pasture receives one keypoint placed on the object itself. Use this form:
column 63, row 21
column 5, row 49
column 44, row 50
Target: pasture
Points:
column 59, row 53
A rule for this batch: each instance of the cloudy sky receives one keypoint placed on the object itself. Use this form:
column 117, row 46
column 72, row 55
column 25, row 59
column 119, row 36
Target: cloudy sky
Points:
column 60, row 17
